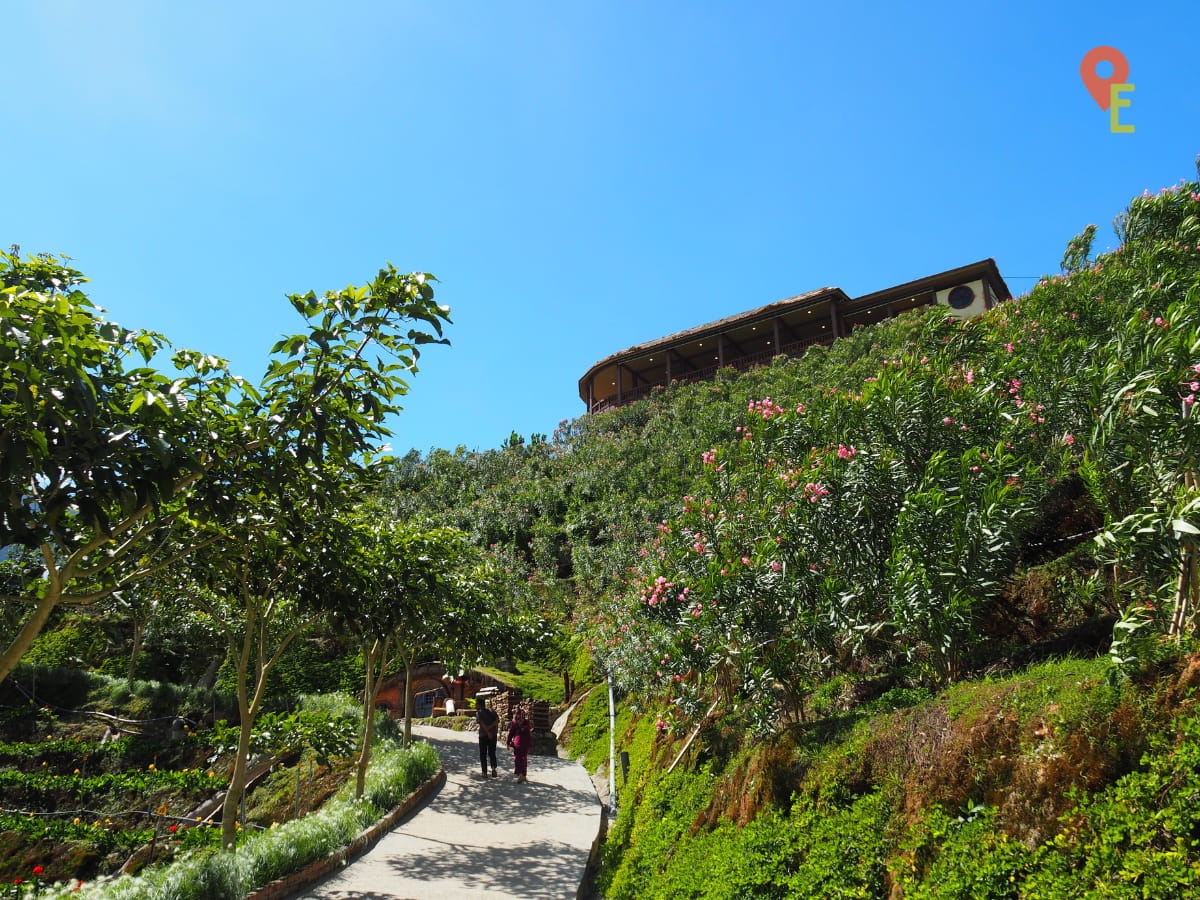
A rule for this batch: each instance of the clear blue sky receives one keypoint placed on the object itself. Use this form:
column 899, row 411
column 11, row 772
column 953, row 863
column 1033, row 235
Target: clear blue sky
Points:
column 580, row 176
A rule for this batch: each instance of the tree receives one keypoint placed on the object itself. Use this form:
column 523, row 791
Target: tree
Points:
column 411, row 587
column 98, row 456
column 262, row 591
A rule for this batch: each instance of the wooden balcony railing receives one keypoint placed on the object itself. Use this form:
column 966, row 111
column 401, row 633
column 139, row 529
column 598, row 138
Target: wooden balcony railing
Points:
column 740, row 363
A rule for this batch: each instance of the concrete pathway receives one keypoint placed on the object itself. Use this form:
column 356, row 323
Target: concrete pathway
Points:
column 481, row 839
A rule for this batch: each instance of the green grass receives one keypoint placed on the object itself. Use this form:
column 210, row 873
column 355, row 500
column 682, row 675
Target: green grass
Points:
column 533, row 681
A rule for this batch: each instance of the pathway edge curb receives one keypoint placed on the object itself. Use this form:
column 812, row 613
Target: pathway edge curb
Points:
column 363, row 841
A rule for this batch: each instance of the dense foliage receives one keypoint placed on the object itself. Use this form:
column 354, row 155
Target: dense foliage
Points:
column 921, row 502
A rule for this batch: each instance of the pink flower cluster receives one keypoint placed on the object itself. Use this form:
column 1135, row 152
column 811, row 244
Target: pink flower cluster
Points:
column 814, row 491
column 767, row 408
column 1193, row 386
column 846, row 452
column 657, row 591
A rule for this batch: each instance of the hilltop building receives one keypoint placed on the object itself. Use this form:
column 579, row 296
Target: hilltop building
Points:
column 786, row 327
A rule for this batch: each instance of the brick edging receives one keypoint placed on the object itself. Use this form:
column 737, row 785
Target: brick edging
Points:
column 363, row 841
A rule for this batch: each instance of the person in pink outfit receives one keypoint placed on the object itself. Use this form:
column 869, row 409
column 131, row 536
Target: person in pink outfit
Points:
column 520, row 736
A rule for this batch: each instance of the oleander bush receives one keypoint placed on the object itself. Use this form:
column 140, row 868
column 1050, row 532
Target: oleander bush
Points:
column 934, row 612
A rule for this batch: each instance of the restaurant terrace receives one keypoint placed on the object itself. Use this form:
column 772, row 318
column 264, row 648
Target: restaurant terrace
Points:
column 784, row 328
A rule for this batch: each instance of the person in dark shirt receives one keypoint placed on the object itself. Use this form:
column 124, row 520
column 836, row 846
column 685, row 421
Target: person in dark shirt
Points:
column 519, row 739
column 489, row 727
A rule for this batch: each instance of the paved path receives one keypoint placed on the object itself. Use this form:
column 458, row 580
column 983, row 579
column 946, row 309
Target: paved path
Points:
column 485, row 839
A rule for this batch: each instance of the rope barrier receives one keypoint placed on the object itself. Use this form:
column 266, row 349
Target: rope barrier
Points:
column 32, row 697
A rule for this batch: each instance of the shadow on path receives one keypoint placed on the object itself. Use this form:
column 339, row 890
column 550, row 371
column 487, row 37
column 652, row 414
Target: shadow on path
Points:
column 482, row 838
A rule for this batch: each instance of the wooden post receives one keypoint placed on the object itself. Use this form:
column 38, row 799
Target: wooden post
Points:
column 619, row 396
column 720, row 350
column 778, row 345
column 833, row 319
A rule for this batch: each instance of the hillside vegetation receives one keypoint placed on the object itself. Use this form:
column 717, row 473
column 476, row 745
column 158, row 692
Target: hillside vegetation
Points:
column 926, row 597
column 910, row 616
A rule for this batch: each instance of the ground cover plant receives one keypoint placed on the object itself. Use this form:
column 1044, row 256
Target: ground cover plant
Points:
column 208, row 874
column 78, row 805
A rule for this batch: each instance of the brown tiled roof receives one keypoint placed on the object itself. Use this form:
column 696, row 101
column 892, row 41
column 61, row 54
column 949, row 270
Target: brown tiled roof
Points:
column 725, row 324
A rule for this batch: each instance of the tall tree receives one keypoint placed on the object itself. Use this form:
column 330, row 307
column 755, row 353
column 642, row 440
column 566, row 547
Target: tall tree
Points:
column 411, row 587
column 99, row 455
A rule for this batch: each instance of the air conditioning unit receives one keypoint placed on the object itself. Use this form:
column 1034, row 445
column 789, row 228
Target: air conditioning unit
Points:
column 965, row 300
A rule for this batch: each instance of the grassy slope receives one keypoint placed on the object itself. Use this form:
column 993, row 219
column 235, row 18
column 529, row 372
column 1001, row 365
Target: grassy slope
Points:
column 980, row 791
column 531, row 680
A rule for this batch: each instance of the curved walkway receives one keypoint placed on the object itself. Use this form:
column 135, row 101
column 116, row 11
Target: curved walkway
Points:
column 481, row 839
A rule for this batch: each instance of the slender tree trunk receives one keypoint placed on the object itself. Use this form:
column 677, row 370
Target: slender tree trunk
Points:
column 375, row 663
column 237, row 780
column 408, row 696
column 1189, row 574
column 139, row 631
column 29, row 631
column 368, row 732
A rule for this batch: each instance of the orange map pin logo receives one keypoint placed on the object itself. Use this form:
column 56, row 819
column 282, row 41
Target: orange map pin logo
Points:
column 1106, row 91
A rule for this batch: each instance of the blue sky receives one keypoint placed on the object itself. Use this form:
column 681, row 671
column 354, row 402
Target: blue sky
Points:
column 580, row 176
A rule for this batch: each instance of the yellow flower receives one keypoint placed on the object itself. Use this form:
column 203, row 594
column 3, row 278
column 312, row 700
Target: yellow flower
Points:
column 76, row 771
column 76, row 822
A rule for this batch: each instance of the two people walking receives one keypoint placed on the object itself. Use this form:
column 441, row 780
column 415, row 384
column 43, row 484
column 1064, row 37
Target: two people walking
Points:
column 520, row 737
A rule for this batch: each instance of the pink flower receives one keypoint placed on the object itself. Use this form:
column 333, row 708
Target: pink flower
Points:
column 846, row 452
column 775, row 567
column 1069, row 439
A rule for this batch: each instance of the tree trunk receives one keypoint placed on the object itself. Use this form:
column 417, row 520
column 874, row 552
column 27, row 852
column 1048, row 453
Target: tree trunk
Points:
column 29, row 632
column 408, row 698
column 1189, row 576
column 237, row 781
column 139, row 631
column 375, row 663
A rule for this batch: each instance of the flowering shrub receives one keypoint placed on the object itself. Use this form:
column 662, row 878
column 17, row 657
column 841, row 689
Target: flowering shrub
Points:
column 855, row 529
